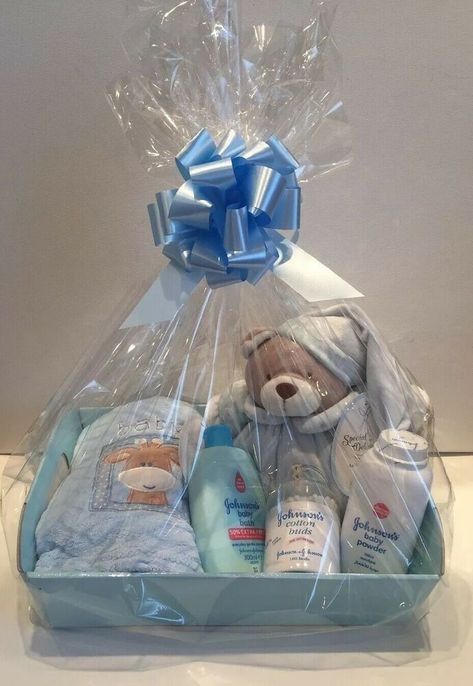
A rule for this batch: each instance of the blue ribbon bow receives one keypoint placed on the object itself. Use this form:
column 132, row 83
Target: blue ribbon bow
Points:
column 224, row 219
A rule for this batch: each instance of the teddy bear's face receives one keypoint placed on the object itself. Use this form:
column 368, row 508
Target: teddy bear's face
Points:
column 286, row 380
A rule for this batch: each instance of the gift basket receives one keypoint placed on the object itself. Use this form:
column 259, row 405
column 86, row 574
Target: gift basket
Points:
column 243, row 448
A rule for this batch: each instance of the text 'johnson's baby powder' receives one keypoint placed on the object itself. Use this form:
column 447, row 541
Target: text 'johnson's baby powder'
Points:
column 387, row 502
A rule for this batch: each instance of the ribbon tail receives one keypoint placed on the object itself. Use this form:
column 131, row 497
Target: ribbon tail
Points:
column 165, row 296
column 309, row 277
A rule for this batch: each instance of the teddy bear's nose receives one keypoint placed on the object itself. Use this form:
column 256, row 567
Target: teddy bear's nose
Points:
column 286, row 390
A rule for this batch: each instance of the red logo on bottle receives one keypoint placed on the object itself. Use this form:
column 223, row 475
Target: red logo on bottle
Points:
column 240, row 483
column 381, row 510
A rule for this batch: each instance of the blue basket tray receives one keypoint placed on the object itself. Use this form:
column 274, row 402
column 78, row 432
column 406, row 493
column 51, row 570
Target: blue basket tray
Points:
column 100, row 599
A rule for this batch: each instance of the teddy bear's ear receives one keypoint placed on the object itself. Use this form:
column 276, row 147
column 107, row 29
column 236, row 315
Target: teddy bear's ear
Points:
column 254, row 339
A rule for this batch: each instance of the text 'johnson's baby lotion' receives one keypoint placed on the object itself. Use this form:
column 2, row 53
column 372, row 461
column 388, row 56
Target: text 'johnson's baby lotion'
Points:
column 387, row 502
column 227, row 506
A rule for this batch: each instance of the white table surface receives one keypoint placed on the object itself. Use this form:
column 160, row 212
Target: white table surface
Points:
column 437, row 650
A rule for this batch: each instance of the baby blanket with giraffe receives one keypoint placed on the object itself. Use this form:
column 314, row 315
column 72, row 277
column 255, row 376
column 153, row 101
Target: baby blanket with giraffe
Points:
column 122, row 508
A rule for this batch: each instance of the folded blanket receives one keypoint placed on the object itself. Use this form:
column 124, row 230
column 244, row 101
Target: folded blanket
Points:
column 122, row 507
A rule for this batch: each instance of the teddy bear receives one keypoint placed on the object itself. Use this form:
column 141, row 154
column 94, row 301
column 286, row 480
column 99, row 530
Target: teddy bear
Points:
column 301, row 378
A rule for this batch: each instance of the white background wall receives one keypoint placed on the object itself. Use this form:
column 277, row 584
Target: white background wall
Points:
column 397, row 224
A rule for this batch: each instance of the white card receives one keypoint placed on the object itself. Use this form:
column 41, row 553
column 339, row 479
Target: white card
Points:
column 167, row 294
column 312, row 279
column 356, row 433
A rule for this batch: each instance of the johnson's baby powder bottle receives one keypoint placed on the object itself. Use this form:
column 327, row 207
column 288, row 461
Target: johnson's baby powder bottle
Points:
column 387, row 502
column 302, row 525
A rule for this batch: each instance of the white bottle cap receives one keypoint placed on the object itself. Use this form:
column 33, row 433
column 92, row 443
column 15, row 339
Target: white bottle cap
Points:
column 402, row 446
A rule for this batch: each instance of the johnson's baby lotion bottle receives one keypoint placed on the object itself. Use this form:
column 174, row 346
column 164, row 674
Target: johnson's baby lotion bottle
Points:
column 227, row 506
column 386, row 505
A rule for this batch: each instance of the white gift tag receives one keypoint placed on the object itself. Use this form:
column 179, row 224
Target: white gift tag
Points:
column 165, row 296
column 310, row 278
column 356, row 433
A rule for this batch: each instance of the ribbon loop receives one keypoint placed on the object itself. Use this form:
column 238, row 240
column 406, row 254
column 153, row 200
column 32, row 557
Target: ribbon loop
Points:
column 235, row 237
column 190, row 206
column 199, row 150
column 223, row 220
column 219, row 174
column 284, row 161
column 287, row 214
column 231, row 145
column 263, row 187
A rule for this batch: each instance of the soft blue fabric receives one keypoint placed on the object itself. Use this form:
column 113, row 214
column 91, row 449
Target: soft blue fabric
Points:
column 90, row 524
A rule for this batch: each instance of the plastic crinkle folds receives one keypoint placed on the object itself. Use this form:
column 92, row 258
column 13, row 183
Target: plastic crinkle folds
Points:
column 234, row 453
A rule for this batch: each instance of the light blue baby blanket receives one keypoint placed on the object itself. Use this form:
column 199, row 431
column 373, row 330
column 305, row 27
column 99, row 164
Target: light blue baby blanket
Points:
column 102, row 518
